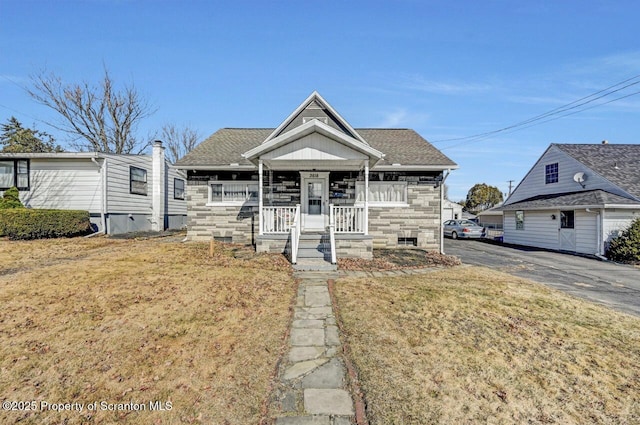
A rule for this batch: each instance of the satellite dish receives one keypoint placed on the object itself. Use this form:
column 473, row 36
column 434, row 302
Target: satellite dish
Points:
column 580, row 178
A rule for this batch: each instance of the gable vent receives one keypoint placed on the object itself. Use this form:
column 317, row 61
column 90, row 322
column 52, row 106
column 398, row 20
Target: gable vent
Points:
column 323, row 119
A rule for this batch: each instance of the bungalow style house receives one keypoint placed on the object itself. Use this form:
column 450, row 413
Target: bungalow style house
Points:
column 576, row 198
column 122, row 193
column 315, row 186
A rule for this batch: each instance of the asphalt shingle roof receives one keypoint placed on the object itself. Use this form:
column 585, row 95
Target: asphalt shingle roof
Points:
column 401, row 146
column 584, row 199
column 618, row 163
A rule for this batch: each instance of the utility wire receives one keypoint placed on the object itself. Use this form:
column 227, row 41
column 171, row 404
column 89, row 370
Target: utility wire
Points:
column 569, row 106
column 545, row 121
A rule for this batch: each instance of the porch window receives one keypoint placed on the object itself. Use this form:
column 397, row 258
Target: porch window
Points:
column 519, row 220
column 233, row 192
column 383, row 192
column 14, row 172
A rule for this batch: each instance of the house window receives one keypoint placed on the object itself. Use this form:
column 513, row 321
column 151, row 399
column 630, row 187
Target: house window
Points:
column 551, row 173
column 383, row 192
column 519, row 220
column 567, row 219
column 178, row 189
column 137, row 181
column 14, row 172
column 233, row 192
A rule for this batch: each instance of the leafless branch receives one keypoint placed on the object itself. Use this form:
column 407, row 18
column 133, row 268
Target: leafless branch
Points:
column 102, row 119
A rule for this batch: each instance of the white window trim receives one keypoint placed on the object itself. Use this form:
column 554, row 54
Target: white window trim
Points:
column 223, row 203
column 391, row 204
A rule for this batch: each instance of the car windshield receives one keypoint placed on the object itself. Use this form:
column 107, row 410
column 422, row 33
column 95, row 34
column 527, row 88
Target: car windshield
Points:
column 467, row 223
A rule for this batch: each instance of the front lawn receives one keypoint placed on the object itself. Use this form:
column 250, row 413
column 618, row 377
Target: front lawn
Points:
column 138, row 325
column 470, row 345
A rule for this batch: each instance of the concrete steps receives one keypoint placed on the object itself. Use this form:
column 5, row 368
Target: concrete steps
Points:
column 314, row 253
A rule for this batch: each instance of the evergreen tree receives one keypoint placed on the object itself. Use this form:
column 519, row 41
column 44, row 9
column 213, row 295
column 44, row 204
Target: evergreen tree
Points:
column 14, row 138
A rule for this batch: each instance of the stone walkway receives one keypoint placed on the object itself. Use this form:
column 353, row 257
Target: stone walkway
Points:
column 312, row 386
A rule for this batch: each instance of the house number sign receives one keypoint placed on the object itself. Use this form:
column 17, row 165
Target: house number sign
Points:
column 313, row 175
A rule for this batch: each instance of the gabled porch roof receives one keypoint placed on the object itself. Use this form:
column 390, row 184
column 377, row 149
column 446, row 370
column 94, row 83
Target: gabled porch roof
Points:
column 314, row 144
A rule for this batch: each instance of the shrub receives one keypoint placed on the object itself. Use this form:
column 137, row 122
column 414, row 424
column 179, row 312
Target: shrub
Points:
column 23, row 223
column 626, row 247
column 11, row 199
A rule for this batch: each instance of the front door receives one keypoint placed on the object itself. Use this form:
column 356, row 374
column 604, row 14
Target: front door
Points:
column 314, row 202
column 567, row 231
column 313, row 213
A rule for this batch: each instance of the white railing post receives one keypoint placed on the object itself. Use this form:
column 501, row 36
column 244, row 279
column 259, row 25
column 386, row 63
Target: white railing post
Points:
column 260, row 200
column 332, row 236
column 295, row 235
column 348, row 219
column 366, row 198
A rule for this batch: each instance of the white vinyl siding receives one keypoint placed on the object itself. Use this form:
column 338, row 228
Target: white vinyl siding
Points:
column 175, row 206
column 616, row 221
column 534, row 182
column 64, row 184
column 539, row 229
column 586, row 226
column 119, row 198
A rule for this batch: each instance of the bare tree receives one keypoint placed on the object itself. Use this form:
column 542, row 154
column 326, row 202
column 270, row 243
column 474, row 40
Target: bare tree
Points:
column 178, row 141
column 100, row 118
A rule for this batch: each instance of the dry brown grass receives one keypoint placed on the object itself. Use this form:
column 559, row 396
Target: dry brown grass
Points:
column 86, row 320
column 471, row 345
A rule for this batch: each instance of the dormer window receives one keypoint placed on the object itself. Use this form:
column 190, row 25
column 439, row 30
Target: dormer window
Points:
column 551, row 173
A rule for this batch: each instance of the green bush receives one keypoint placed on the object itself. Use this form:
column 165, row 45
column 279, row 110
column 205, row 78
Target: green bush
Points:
column 626, row 247
column 11, row 199
column 24, row 223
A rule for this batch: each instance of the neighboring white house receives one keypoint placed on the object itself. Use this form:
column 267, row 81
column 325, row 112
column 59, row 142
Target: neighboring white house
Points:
column 491, row 218
column 316, row 186
column 451, row 210
column 576, row 198
column 122, row 193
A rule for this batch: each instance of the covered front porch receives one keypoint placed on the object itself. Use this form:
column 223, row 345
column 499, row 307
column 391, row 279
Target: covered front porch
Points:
column 313, row 179
column 314, row 214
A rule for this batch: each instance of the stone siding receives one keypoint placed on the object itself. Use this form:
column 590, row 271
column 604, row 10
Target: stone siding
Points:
column 420, row 220
column 354, row 247
column 240, row 223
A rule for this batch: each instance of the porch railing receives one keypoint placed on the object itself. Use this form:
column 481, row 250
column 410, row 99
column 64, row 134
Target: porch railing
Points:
column 278, row 219
column 348, row 219
column 295, row 235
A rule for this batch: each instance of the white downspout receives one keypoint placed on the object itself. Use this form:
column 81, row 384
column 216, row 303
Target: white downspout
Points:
column 444, row 178
column 260, row 199
column 103, row 184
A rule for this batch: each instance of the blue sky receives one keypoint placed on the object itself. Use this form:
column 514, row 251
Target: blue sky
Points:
column 446, row 69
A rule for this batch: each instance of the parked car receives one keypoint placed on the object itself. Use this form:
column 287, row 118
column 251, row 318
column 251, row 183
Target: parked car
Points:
column 463, row 229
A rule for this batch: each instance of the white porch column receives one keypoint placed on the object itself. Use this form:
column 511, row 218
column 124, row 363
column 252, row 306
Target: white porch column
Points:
column 260, row 202
column 366, row 198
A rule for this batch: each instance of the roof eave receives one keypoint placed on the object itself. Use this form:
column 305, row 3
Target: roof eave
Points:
column 215, row 167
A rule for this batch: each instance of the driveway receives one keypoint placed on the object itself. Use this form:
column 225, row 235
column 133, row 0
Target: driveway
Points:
column 614, row 285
